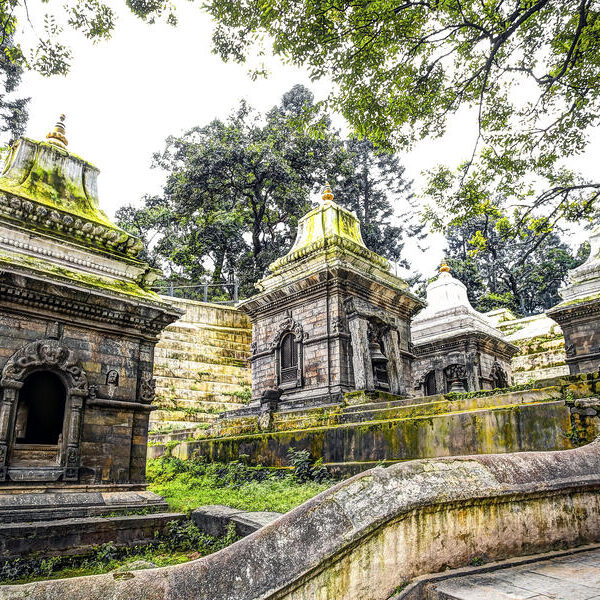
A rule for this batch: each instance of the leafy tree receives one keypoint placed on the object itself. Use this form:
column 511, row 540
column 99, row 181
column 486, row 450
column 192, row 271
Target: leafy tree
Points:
column 235, row 191
column 13, row 111
column 402, row 70
column 93, row 18
column 373, row 184
column 524, row 276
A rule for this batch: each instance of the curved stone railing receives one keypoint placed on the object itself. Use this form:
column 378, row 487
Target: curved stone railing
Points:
column 364, row 538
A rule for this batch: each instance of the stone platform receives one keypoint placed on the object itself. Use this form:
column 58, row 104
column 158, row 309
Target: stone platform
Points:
column 574, row 577
column 47, row 520
column 80, row 536
column 369, row 429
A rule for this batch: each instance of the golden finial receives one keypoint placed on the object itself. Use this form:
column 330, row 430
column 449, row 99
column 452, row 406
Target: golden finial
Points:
column 57, row 137
column 444, row 268
column 327, row 194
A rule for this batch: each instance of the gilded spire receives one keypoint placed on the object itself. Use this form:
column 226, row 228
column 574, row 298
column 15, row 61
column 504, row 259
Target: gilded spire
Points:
column 57, row 137
column 444, row 268
column 327, row 193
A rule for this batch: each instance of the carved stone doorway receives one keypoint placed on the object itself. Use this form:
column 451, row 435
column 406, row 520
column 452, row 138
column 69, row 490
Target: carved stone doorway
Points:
column 43, row 391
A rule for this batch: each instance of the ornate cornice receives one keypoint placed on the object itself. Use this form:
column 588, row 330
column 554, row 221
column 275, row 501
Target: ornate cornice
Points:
column 461, row 343
column 122, row 312
column 35, row 215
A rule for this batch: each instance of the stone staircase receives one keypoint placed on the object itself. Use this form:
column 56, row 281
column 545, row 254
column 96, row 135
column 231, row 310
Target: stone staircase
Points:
column 201, row 366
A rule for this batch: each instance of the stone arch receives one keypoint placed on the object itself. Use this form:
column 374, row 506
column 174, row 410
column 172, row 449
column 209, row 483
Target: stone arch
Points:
column 46, row 355
column 288, row 325
column 289, row 328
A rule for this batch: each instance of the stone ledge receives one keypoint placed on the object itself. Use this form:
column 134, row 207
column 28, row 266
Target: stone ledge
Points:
column 80, row 535
column 215, row 519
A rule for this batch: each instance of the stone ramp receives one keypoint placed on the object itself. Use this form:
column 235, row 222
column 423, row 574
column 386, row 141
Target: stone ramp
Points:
column 574, row 577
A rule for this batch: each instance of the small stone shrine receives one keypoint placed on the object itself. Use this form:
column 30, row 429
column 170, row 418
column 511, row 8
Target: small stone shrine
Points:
column 579, row 312
column 78, row 326
column 330, row 318
column 456, row 348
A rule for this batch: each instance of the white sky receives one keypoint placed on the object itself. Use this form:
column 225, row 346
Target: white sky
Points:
column 123, row 97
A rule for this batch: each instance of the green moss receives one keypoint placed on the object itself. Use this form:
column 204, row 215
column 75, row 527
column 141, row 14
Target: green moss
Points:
column 86, row 279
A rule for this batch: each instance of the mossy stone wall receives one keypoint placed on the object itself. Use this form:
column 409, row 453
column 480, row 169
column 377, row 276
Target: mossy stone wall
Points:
column 201, row 364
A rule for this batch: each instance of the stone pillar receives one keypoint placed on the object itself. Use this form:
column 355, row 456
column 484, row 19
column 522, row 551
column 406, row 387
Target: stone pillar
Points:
column 73, row 440
column 139, row 446
column 472, row 368
column 440, row 380
column 361, row 357
column 6, row 412
column 395, row 367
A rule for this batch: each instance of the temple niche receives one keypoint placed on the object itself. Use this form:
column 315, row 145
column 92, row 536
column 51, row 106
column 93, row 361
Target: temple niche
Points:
column 456, row 348
column 579, row 313
column 330, row 318
column 78, row 326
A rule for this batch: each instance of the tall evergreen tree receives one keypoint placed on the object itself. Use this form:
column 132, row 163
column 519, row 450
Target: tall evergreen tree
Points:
column 373, row 185
column 522, row 274
column 235, row 190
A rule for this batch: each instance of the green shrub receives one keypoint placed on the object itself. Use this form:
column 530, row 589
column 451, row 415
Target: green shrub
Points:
column 187, row 484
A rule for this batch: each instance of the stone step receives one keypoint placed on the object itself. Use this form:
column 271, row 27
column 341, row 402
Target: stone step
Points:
column 182, row 342
column 234, row 375
column 393, row 403
column 191, row 383
column 209, row 328
column 447, row 406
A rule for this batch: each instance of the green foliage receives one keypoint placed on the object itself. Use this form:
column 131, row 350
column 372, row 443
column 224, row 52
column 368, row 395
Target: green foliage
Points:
column 94, row 19
column 182, row 542
column 185, row 485
column 522, row 272
column 372, row 184
column 305, row 468
column 235, row 191
column 244, row 394
column 401, row 71
column 13, row 110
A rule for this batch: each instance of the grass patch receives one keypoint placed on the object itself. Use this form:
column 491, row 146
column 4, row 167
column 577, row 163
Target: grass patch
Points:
column 185, row 485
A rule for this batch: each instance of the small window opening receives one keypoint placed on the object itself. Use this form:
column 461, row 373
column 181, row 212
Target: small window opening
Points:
column 41, row 409
column 289, row 359
column 430, row 385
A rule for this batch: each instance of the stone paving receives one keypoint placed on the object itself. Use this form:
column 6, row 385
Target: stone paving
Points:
column 575, row 577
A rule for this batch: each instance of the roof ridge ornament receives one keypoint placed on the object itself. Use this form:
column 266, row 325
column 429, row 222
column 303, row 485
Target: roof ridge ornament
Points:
column 57, row 137
column 444, row 268
column 327, row 195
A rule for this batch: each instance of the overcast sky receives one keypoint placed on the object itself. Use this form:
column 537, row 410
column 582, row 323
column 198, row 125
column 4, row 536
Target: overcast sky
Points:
column 123, row 97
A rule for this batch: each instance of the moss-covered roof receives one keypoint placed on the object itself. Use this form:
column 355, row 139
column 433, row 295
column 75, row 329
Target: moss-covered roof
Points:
column 41, row 267
column 44, row 173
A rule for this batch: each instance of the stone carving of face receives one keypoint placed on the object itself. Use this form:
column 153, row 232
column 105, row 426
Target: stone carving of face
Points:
column 112, row 378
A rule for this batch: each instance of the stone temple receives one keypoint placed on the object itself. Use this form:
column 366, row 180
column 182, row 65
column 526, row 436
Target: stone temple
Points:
column 330, row 318
column 456, row 347
column 579, row 312
column 78, row 326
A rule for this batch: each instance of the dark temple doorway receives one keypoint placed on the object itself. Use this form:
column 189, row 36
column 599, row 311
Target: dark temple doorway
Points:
column 41, row 409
